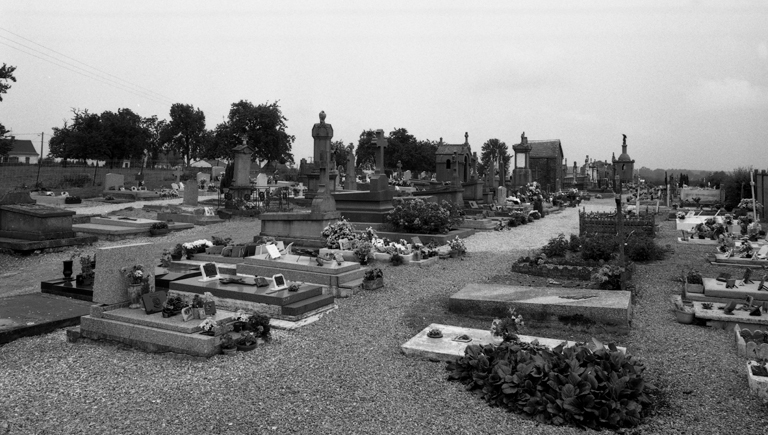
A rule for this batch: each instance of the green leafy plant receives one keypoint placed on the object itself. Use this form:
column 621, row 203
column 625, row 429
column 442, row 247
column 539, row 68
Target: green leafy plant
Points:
column 218, row 241
column 556, row 246
column 608, row 277
column 362, row 249
column 418, row 216
column 396, row 259
column 159, row 226
column 574, row 244
column 341, row 229
column 598, row 247
column 507, row 327
column 643, row 248
column 372, row 274
column 227, row 342
column 260, row 323
column 594, row 388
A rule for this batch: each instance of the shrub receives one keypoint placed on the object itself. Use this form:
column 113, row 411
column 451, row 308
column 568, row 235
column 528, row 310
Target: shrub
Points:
column 396, row 259
column 417, row 216
column 574, row 245
column 608, row 277
column 564, row 385
column 643, row 248
column 159, row 226
column 556, row 247
column 598, row 247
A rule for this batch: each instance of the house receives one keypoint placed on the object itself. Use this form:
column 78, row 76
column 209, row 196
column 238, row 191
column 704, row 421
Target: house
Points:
column 545, row 161
column 23, row 152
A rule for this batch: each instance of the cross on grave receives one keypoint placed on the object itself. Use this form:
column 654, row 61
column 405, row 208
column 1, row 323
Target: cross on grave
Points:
column 381, row 143
column 177, row 174
column 399, row 169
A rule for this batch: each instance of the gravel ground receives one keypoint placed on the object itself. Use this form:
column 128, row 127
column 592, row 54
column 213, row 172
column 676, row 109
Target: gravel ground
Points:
column 345, row 373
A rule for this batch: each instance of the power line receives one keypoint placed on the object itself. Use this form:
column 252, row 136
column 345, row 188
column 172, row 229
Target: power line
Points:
column 83, row 63
column 90, row 76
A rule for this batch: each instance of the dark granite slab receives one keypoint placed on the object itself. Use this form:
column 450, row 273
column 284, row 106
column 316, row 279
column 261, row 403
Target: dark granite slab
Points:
column 70, row 289
column 248, row 293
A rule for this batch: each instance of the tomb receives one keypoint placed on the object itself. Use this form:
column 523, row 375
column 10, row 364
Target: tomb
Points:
column 547, row 304
column 121, row 227
column 446, row 348
column 301, row 227
column 27, row 226
column 114, row 182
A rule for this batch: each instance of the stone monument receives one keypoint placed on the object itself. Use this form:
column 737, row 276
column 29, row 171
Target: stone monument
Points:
column 350, row 183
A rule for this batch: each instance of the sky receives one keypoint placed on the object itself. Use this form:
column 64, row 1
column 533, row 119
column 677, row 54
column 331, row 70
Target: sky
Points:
column 686, row 81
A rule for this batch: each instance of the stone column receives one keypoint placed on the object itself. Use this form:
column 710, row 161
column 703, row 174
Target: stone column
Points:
column 351, row 182
column 322, row 133
column 456, row 181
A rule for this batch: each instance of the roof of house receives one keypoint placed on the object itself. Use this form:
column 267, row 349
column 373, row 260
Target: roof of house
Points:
column 545, row 148
column 22, row 147
column 449, row 149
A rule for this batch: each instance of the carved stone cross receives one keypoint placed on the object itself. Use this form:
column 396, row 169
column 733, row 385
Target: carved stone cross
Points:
column 381, row 143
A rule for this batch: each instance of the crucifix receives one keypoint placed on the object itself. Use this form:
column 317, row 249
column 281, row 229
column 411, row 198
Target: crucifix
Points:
column 381, row 143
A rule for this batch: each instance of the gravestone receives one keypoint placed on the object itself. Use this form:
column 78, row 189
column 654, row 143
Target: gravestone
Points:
column 407, row 175
column 191, row 193
column 501, row 196
column 261, row 179
column 110, row 286
column 113, row 181
column 176, row 174
column 217, row 171
column 203, row 178
column 350, row 183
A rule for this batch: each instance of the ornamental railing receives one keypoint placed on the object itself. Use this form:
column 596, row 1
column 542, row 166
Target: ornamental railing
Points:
column 605, row 223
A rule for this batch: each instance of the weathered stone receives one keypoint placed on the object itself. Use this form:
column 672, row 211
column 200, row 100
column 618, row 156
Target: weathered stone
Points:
column 110, row 285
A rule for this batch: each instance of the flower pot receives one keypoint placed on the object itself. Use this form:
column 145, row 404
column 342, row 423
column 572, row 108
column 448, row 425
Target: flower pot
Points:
column 159, row 232
column 229, row 351
column 175, row 257
column 246, row 347
column 453, row 254
column 134, row 292
column 67, row 269
column 683, row 317
column 238, row 326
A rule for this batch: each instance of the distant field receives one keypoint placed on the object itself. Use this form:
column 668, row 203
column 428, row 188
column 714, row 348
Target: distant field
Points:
column 58, row 178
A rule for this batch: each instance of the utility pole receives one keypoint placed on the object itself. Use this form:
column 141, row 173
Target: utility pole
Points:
column 40, row 160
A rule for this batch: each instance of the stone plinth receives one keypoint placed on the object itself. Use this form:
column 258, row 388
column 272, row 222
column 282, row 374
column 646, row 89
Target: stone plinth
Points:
column 110, row 286
column 473, row 190
column 611, row 307
column 305, row 269
column 447, row 349
column 716, row 289
column 173, row 323
column 736, row 261
column 362, row 206
column 304, row 229
column 35, row 222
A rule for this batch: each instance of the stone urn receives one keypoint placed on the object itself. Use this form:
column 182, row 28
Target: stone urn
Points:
column 67, row 269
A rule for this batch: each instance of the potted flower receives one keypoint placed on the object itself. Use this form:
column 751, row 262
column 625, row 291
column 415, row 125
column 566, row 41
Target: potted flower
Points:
column 373, row 279
column 247, row 341
column 159, row 228
column 683, row 311
column 209, row 326
column 86, row 270
column 228, row 346
column 137, row 278
column 507, row 327
column 176, row 252
column 166, row 258
column 259, row 324
column 362, row 250
column 457, row 247
column 173, row 306
column 241, row 321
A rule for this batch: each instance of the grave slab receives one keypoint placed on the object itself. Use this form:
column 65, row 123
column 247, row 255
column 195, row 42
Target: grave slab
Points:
column 35, row 314
column 122, row 221
column 612, row 307
column 716, row 289
column 156, row 320
column 738, row 317
column 67, row 288
column 447, row 349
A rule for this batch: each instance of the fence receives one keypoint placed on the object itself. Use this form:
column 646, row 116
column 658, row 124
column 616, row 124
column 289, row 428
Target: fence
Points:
column 605, row 223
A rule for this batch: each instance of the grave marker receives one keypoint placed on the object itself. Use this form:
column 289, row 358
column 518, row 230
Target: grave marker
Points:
column 110, row 286
column 113, row 181
column 191, row 194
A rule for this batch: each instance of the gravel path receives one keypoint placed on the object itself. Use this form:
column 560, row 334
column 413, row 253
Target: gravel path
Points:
column 345, row 373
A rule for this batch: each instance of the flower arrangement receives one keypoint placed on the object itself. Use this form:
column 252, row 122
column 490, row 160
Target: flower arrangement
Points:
column 208, row 324
column 165, row 258
column 457, row 245
column 135, row 274
column 746, row 204
column 240, row 316
column 608, row 276
column 418, row 216
column 218, row 241
column 681, row 215
column 227, row 342
column 372, row 274
column 247, row 338
column 336, row 231
column 362, row 250
column 507, row 327
column 259, row 323
column 86, row 268
column 196, row 246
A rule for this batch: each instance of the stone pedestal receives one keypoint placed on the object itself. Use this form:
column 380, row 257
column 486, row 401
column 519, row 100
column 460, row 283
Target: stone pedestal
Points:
column 362, row 206
column 521, row 177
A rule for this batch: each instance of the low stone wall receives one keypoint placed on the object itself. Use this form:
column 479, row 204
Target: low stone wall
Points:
column 605, row 223
column 562, row 271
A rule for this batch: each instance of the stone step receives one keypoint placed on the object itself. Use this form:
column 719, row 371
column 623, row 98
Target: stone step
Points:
column 549, row 304
column 306, row 305
column 156, row 320
column 148, row 338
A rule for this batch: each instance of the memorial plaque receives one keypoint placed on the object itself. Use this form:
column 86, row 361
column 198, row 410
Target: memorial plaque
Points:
column 210, row 308
column 762, row 286
column 153, row 301
column 731, row 283
column 272, row 251
column 209, row 271
column 747, row 276
column 473, row 204
column 238, row 251
column 345, row 245
column 187, row 314
column 280, row 282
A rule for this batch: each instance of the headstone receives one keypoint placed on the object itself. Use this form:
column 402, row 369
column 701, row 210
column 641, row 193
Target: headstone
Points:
column 190, row 194
column 350, row 182
column 407, row 175
column 501, row 196
column 217, row 171
column 261, row 179
column 113, row 181
column 241, row 177
column 203, row 178
column 110, row 286
column 177, row 174
column 399, row 169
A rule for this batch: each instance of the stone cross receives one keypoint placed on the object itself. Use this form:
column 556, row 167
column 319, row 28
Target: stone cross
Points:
column 399, row 169
column 177, row 173
column 381, row 143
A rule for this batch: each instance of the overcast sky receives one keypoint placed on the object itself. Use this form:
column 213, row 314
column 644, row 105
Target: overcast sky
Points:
column 686, row 81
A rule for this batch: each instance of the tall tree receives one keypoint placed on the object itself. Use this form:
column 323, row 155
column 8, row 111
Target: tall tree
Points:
column 153, row 128
column 185, row 132
column 365, row 153
column 492, row 151
column 263, row 126
column 6, row 75
column 82, row 139
column 124, row 136
column 339, row 153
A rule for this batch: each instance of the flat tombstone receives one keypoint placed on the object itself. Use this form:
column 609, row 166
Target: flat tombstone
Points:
column 191, row 193
column 13, row 198
column 110, row 286
column 113, row 181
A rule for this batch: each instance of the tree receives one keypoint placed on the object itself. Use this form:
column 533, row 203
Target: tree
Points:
column 185, row 132
column 153, row 129
column 123, row 136
column 339, row 153
column 365, row 154
column 416, row 155
column 82, row 139
column 6, row 74
column 491, row 152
